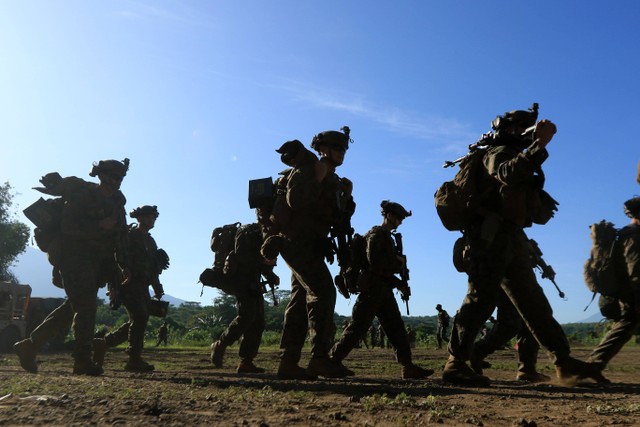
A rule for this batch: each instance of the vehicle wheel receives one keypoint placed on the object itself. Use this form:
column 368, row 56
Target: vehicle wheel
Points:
column 9, row 336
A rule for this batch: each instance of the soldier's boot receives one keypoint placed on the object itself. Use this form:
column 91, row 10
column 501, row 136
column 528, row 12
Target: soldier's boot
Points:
column 532, row 376
column 347, row 372
column 457, row 372
column 217, row 354
column 137, row 364
column 246, row 366
column 87, row 367
column 99, row 350
column 412, row 371
column 26, row 351
column 288, row 370
column 571, row 370
column 325, row 367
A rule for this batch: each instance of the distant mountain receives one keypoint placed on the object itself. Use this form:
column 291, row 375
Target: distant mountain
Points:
column 33, row 268
column 594, row 318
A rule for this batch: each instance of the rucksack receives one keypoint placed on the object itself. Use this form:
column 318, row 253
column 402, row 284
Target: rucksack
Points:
column 457, row 200
column 222, row 244
column 600, row 272
column 353, row 276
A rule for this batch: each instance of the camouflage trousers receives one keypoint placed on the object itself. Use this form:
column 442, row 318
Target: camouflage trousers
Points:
column 377, row 301
column 441, row 334
column 54, row 325
column 312, row 304
column 509, row 324
column 504, row 263
column 135, row 298
column 620, row 333
column 248, row 325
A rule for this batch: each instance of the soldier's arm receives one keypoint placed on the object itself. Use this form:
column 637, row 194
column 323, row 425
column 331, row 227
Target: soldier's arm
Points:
column 515, row 170
column 631, row 250
column 302, row 189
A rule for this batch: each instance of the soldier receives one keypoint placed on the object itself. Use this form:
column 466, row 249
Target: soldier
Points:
column 244, row 267
column 163, row 334
column 382, row 337
column 443, row 325
column 509, row 324
column 373, row 333
column 376, row 297
column 510, row 185
column 317, row 198
column 627, row 306
column 411, row 335
column 146, row 266
column 92, row 240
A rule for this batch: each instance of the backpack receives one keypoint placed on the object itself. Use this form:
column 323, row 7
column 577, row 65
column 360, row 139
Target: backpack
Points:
column 222, row 244
column 600, row 272
column 354, row 276
column 456, row 200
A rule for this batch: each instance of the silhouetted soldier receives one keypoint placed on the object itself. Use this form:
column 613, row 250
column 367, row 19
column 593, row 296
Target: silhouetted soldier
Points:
column 443, row 326
column 163, row 334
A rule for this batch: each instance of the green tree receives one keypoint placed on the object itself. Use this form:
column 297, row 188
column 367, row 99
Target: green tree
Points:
column 14, row 235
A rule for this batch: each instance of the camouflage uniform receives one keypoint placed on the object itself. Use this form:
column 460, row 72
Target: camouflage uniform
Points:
column 499, row 257
column 315, row 207
column 509, row 324
column 628, row 263
column 145, row 271
column 163, row 334
column 86, row 256
column 249, row 322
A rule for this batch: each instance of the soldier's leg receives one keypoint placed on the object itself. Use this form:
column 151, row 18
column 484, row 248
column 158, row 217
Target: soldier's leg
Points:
column 363, row 313
column 295, row 325
column 528, row 348
column 620, row 333
column 507, row 326
column 138, row 318
column 118, row 336
column 253, row 333
column 56, row 323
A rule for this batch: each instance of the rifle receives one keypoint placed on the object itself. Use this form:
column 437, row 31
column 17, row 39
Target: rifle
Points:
column 481, row 144
column 405, row 290
column 273, row 281
column 546, row 270
column 341, row 237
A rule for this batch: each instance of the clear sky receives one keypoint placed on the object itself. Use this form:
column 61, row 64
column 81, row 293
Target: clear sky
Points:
column 199, row 94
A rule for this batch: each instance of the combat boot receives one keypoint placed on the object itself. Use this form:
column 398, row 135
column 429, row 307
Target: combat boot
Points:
column 571, row 370
column 136, row 364
column 99, row 350
column 27, row 352
column 325, row 367
column 532, row 376
column 87, row 367
column 347, row 372
column 217, row 354
column 289, row 370
column 457, row 372
column 247, row 367
column 412, row 371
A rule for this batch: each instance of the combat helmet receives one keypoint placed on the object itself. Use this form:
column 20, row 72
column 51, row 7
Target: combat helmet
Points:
column 439, row 307
column 113, row 168
column 632, row 207
column 333, row 139
column 524, row 118
column 141, row 211
column 395, row 208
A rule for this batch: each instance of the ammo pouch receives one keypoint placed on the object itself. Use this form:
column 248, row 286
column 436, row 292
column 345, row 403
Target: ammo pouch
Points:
column 158, row 308
column 215, row 278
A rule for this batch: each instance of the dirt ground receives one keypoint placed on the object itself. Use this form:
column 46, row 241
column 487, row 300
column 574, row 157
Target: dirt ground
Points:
column 186, row 390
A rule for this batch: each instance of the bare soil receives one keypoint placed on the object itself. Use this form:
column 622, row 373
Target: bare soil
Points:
column 186, row 390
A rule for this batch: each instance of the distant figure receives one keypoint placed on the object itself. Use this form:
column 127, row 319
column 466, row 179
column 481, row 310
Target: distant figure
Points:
column 163, row 334
column 381, row 336
column 443, row 325
column 411, row 335
column 373, row 335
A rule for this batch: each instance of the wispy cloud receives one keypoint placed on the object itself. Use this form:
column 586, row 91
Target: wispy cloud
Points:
column 177, row 12
column 395, row 119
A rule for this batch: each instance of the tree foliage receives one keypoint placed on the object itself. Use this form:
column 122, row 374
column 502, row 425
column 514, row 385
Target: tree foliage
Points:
column 14, row 235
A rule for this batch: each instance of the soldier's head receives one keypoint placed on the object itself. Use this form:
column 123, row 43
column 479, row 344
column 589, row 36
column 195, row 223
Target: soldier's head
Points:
column 332, row 144
column 632, row 208
column 110, row 172
column 393, row 212
column 439, row 307
column 510, row 127
column 145, row 215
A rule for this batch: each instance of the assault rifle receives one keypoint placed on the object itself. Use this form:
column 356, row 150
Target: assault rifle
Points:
column 481, row 144
column 271, row 279
column 405, row 290
column 546, row 270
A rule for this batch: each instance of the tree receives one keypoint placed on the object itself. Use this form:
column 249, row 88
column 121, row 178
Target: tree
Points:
column 14, row 235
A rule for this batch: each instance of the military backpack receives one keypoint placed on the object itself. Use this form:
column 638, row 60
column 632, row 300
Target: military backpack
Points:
column 222, row 244
column 601, row 274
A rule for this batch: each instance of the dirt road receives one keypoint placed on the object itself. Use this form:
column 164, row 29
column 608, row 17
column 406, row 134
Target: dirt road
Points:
column 186, row 390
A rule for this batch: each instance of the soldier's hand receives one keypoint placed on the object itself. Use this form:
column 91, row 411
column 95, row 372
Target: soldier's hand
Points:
column 545, row 130
column 346, row 186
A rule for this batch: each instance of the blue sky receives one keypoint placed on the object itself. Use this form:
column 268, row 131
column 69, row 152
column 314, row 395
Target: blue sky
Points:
column 199, row 95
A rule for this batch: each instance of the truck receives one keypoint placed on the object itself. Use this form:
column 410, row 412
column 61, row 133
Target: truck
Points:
column 20, row 313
